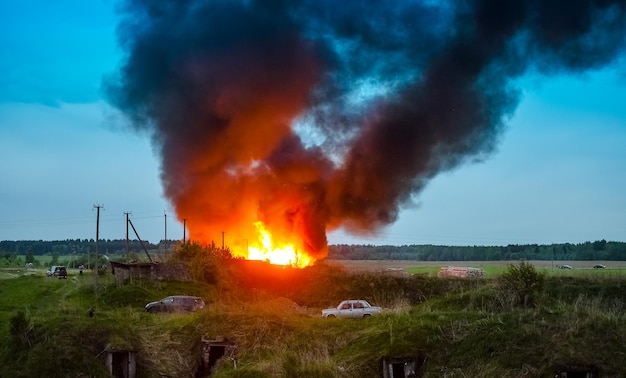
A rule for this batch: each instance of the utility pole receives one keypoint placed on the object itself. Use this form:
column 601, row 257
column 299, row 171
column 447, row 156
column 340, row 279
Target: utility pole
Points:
column 127, row 251
column 165, row 240
column 97, row 207
column 140, row 241
column 223, row 239
column 184, row 231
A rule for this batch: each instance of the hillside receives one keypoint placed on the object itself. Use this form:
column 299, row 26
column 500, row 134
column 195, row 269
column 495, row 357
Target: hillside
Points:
column 521, row 323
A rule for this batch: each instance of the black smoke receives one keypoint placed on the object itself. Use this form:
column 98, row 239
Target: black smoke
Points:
column 319, row 114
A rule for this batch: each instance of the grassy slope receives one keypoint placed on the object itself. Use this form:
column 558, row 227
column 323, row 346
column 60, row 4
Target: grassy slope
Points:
column 459, row 327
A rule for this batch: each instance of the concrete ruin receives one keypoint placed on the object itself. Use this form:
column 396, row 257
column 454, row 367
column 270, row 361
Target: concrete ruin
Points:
column 576, row 371
column 460, row 271
column 402, row 366
column 153, row 271
column 121, row 363
column 213, row 351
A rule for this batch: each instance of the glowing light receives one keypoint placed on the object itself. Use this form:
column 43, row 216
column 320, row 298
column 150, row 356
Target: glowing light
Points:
column 279, row 254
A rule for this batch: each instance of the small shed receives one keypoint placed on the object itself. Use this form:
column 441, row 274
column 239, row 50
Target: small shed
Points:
column 154, row 271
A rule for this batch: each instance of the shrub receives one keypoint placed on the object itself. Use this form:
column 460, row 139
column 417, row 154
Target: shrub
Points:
column 521, row 285
column 21, row 330
column 204, row 261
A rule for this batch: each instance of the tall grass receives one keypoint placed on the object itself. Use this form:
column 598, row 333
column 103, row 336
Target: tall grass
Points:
column 463, row 328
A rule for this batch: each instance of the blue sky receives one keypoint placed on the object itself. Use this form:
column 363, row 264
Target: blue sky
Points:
column 558, row 174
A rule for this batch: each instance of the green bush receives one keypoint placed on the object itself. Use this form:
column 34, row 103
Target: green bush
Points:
column 20, row 330
column 521, row 285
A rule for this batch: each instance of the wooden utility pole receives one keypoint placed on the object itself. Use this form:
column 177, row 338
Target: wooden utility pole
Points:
column 140, row 241
column 127, row 251
column 97, row 207
column 184, row 231
column 165, row 240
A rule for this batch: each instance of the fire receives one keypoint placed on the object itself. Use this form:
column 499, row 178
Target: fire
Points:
column 266, row 249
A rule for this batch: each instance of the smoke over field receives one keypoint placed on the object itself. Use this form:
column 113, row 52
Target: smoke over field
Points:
column 289, row 119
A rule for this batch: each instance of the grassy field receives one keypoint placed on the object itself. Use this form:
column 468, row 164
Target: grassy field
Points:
column 491, row 268
column 463, row 328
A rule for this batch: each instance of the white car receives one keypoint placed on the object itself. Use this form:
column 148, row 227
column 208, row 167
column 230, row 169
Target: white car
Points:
column 352, row 309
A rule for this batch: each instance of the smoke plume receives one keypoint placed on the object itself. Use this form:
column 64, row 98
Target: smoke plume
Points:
column 310, row 115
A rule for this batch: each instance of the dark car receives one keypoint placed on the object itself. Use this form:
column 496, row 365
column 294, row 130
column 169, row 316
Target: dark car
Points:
column 599, row 266
column 176, row 303
column 57, row 271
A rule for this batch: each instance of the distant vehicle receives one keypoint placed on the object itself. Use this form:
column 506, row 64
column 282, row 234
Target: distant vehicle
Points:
column 566, row 267
column 352, row 309
column 176, row 303
column 599, row 266
column 57, row 271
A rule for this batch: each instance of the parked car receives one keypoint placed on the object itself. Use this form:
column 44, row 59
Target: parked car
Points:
column 352, row 309
column 566, row 267
column 57, row 271
column 599, row 266
column 176, row 303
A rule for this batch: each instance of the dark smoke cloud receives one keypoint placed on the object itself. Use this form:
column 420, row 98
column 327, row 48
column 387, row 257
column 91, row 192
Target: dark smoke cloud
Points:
column 384, row 94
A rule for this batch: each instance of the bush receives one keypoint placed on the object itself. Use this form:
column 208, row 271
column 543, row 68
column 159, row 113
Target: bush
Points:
column 521, row 285
column 21, row 330
column 204, row 262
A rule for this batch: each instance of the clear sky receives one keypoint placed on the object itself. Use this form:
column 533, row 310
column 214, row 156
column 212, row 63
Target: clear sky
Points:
column 558, row 175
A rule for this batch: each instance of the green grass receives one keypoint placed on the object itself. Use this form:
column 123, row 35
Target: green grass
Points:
column 495, row 269
column 461, row 326
column 489, row 269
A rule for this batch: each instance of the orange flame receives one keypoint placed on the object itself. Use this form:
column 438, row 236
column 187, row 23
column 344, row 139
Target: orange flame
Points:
column 266, row 249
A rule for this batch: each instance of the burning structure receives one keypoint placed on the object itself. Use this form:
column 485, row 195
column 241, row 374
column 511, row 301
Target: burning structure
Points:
column 277, row 121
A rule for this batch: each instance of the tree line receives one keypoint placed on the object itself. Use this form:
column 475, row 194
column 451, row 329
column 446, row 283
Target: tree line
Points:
column 74, row 252
column 597, row 250
column 74, row 246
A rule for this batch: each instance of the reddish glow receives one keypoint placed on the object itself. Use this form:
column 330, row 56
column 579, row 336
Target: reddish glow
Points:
column 278, row 253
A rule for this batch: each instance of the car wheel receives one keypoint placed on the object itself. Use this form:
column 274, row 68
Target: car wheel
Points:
column 152, row 310
column 366, row 315
column 331, row 316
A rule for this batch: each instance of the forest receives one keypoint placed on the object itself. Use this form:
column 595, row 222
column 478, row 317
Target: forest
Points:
column 596, row 250
column 72, row 246
column 73, row 252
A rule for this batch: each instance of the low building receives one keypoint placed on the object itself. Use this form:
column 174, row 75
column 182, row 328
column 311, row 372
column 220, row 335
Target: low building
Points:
column 154, row 271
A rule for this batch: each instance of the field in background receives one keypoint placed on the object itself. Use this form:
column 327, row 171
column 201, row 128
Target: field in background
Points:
column 468, row 328
column 491, row 268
